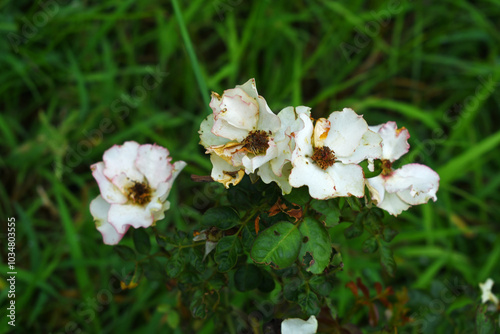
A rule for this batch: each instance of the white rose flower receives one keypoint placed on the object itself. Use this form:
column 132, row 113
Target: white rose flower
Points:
column 244, row 136
column 412, row 184
column 134, row 181
column 299, row 326
column 486, row 294
column 326, row 156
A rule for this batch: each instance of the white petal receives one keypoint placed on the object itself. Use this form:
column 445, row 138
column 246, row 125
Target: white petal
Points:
column 376, row 186
column 250, row 88
column 109, row 192
column 394, row 141
column 306, row 172
column 486, row 294
column 207, row 138
column 178, row 166
column 414, row 183
column 99, row 209
column 393, row 204
column 223, row 172
column 268, row 121
column 369, row 148
column 120, row 160
column 154, row 163
column 303, row 138
column 252, row 163
column 285, row 142
column 321, row 130
column 223, row 129
column 238, row 109
column 348, row 179
column 267, row 175
column 121, row 216
column 347, row 129
column 299, row 326
column 209, row 246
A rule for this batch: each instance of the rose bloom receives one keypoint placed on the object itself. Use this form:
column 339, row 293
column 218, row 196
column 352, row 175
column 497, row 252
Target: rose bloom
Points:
column 243, row 135
column 395, row 190
column 134, row 181
column 327, row 154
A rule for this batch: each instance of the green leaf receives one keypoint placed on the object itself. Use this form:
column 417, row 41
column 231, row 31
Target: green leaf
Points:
column 198, row 306
column 132, row 279
column 309, row 303
column 141, row 241
column 299, row 196
column 329, row 209
column 484, row 323
column 227, row 252
column 174, row 265
column 315, row 242
column 278, row 245
column 125, row 252
column 386, row 258
column 356, row 229
column 354, row 203
column 377, row 170
column 154, row 270
column 223, row 217
column 320, row 285
column 293, row 288
column 370, row 245
column 248, row 235
column 389, row 234
column 247, row 277
column 267, row 283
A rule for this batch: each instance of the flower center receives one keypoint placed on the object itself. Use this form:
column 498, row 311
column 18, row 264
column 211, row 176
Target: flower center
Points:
column 257, row 142
column 386, row 167
column 139, row 193
column 323, row 157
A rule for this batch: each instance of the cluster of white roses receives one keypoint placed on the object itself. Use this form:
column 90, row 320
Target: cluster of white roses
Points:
column 243, row 136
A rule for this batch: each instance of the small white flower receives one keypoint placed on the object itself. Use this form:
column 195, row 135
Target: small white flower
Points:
column 240, row 133
column 396, row 190
column 326, row 156
column 134, row 181
column 299, row 326
column 486, row 294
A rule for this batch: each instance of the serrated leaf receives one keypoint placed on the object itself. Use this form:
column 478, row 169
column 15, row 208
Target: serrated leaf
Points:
column 278, row 245
column 125, row 252
column 370, row 245
column 141, row 241
column 175, row 264
column 247, row 277
column 355, row 230
column 309, row 303
column 389, row 234
column 386, row 258
column 293, row 288
column 222, row 217
column 226, row 253
column 316, row 243
column 321, row 285
column 299, row 196
column 329, row 210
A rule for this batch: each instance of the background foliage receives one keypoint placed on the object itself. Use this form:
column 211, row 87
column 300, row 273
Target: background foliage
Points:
column 80, row 76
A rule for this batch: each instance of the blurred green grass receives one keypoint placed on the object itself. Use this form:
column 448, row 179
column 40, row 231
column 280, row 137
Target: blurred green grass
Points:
column 80, row 80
